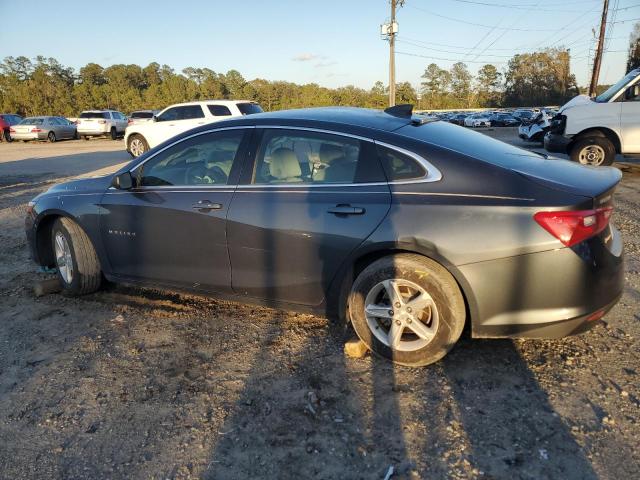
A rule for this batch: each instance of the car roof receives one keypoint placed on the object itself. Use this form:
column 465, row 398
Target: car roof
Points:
column 212, row 102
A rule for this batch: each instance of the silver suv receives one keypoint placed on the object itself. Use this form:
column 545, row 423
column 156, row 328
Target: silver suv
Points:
column 96, row 123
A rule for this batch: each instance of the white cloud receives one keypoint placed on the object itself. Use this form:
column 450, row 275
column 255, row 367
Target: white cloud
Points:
column 306, row 57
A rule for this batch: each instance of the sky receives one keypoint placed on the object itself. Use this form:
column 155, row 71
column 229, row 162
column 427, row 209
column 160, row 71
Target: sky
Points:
column 329, row 42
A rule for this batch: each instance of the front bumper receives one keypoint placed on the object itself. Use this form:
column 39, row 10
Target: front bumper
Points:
column 556, row 143
column 548, row 294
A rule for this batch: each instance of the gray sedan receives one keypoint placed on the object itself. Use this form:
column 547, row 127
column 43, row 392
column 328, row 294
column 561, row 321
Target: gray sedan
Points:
column 44, row 128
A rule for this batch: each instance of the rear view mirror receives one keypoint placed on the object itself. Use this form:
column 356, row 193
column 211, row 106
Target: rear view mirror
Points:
column 124, row 181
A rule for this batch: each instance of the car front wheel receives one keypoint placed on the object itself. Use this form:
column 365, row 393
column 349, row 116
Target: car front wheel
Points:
column 407, row 308
column 76, row 260
column 595, row 151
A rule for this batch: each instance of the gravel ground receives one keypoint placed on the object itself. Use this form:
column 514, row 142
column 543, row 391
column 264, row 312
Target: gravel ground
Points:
column 130, row 383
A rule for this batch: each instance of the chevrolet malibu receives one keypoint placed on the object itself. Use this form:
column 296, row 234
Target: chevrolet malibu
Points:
column 406, row 228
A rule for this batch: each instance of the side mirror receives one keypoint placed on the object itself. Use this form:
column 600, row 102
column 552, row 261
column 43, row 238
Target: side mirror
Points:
column 124, row 181
column 154, row 118
column 632, row 92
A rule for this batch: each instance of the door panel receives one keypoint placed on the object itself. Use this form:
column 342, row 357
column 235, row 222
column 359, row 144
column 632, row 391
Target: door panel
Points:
column 312, row 198
column 630, row 126
column 171, row 227
column 284, row 243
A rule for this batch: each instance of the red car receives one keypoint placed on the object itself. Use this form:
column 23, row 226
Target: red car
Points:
column 6, row 121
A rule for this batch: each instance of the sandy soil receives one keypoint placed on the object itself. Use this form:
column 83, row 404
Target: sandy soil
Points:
column 129, row 383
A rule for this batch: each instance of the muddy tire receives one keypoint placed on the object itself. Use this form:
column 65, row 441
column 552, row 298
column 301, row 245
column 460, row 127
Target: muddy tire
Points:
column 407, row 308
column 76, row 260
column 593, row 150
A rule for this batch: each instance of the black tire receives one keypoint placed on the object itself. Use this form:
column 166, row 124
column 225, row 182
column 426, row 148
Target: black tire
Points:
column 137, row 136
column 599, row 143
column 51, row 137
column 76, row 136
column 114, row 133
column 6, row 136
column 434, row 279
column 86, row 276
column 85, row 137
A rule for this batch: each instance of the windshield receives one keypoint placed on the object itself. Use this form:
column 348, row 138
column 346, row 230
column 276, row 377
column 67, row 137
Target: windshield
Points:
column 613, row 89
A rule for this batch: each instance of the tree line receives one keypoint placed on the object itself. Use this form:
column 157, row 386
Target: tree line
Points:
column 43, row 86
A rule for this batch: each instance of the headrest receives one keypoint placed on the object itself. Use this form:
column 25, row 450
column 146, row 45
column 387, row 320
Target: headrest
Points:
column 284, row 164
column 329, row 152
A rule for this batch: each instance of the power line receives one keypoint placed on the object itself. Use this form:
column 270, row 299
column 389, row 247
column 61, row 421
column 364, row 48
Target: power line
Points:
column 528, row 7
column 501, row 62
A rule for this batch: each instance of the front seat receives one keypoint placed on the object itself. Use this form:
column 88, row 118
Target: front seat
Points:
column 284, row 166
column 337, row 168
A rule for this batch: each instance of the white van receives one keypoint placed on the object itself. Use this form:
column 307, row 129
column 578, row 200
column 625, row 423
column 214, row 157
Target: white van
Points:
column 593, row 130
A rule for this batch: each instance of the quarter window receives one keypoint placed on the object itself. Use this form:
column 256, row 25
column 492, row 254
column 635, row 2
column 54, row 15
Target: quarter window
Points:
column 294, row 157
column 399, row 166
column 201, row 160
column 219, row 110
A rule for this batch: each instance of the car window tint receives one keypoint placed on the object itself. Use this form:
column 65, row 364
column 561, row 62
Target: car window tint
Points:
column 191, row 111
column 200, row 160
column 289, row 156
column 141, row 115
column 219, row 110
column 249, row 108
column 168, row 115
column 399, row 166
column 94, row 115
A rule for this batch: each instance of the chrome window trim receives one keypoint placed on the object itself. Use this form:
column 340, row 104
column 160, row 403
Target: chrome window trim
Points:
column 433, row 174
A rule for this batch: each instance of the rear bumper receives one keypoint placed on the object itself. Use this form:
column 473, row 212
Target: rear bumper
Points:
column 556, row 143
column 94, row 131
column 548, row 294
column 29, row 136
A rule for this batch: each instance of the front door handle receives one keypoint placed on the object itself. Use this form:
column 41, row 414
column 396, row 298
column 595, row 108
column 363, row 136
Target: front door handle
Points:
column 346, row 210
column 205, row 205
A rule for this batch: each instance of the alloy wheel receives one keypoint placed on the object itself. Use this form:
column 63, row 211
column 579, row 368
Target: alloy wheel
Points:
column 136, row 147
column 401, row 314
column 64, row 260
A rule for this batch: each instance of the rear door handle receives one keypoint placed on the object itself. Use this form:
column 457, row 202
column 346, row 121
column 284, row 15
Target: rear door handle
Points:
column 346, row 210
column 206, row 205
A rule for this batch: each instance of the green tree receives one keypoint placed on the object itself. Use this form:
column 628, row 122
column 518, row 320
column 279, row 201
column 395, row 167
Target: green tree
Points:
column 435, row 87
column 488, row 83
column 461, row 81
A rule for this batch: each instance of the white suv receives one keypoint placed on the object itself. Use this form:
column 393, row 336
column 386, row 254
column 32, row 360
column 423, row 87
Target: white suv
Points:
column 95, row 123
column 181, row 117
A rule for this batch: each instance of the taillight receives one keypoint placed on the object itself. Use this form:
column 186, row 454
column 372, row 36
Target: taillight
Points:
column 129, row 122
column 572, row 227
column 36, row 130
column 12, row 130
column 102, row 121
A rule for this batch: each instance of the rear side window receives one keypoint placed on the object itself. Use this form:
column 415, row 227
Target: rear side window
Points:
column 249, row 108
column 32, row 121
column 304, row 157
column 219, row 110
column 398, row 166
column 94, row 115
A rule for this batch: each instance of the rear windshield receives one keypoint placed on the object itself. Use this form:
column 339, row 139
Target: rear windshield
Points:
column 32, row 121
column 472, row 144
column 94, row 115
column 142, row 115
column 249, row 108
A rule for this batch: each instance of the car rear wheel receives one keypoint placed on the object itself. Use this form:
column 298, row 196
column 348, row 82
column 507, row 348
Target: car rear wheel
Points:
column 76, row 259
column 51, row 137
column 595, row 151
column 137, row 145
column 407, row 308
column 114, row 133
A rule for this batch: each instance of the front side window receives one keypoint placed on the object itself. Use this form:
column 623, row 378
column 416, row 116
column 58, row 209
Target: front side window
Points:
column 219, row 110
column 201, row 160
column 295, row 157
column 398, row 166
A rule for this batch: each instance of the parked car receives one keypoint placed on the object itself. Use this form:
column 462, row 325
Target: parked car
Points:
column 458, row 118
column 182, row 117
column 141, row 116
column 478, row 120
column 98, row 123
column 44, row 128
column 504, row 120
column 524, row 114
column 7, row 120
column 593, row 130
column 362, row 215
column 534, row 130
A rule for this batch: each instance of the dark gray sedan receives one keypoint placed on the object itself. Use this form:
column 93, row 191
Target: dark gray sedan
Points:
column 407, row 229
column 47, row 128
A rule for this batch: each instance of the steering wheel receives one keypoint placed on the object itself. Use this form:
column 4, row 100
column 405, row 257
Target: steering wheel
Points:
column 196, row 175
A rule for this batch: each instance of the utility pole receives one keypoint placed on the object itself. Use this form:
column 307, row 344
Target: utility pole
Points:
column 598, row 58
column 389, row 32
column 392, row 56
